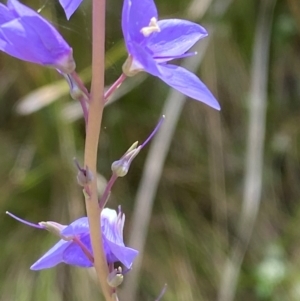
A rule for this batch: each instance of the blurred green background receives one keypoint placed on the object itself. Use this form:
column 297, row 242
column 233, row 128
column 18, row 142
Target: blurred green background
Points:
column 197, row 241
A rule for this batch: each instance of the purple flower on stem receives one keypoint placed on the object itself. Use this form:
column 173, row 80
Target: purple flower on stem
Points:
column 69, row 6
column 26, row 35
column 74, row 248
column 151, row 44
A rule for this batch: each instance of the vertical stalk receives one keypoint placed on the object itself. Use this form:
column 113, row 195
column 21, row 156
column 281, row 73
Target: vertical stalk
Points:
column 258, row 96
column 91, row 142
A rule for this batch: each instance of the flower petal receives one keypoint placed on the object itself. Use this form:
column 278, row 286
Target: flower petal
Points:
column 74, row 255
column 109, row 226
column 5, row 14
column 112, row 230
column 69, row 6
column 31, row 38
column 48, row 36
column 136, row 15
column 188, row 83
column 53, row 257
column 121, row 253
column 175, row 38
column 79, row 226
column 144, row 60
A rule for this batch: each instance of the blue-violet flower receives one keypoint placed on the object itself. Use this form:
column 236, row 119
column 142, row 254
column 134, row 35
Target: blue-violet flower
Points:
column 26, row 35
column 69, row 6
column 74, row 248
column 151, row 44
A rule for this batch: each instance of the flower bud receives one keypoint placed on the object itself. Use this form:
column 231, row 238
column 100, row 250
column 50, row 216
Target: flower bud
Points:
column 115, row 278
column 121, row 167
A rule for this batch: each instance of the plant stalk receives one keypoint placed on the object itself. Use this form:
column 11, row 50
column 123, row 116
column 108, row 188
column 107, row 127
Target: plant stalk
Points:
column 91, row 143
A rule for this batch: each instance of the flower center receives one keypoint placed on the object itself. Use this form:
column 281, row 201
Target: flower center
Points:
column 153, row 27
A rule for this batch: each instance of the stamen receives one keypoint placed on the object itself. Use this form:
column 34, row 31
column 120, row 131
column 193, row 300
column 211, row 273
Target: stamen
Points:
column 153, row 27
column 154, row 131
column 24, row 222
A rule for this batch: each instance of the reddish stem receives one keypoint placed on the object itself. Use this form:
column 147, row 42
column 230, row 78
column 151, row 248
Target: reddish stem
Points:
column 114, row 87
column 80, row 84
column 104, row 198
column 84, row 110
column 84, row 249
column 91, row 144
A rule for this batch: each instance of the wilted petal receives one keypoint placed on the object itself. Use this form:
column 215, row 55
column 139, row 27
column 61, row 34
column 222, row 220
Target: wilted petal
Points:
column 70, row 6
column 53, row 257
column 175, row 38
column 136, row 15
column 188, row 84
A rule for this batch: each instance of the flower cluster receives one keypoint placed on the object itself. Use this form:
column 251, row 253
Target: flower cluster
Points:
column 151, row 44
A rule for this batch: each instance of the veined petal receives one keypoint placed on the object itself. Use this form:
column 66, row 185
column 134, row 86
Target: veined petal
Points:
column 79, row 226
column 53, row 257
column 109, row 226
column 112, row 230
column 188, row 83
column 69, row 6
column 136, row 15
column 175, row 38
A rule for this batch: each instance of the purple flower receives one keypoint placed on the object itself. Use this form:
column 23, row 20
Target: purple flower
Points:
column 25, row 35
column 151, row 44
column 69, row 6
column 74, row 248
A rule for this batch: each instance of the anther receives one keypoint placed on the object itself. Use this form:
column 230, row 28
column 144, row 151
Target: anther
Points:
column 153, row 27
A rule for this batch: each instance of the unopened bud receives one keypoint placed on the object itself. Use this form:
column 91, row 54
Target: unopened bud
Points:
column 115, row 278
column 121, row 167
